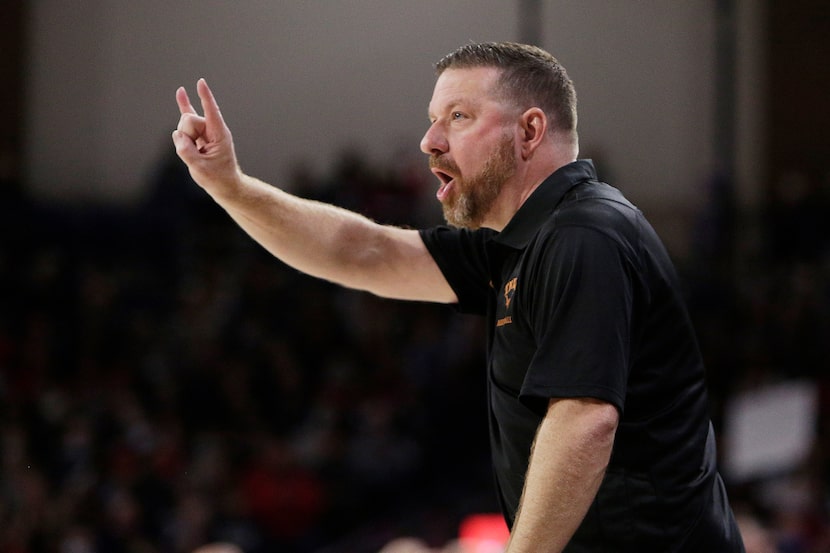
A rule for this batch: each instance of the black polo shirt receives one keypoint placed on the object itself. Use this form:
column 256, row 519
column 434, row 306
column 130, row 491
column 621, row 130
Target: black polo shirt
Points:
column 582, row 300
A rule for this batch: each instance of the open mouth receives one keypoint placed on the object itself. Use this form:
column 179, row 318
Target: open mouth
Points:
column 446, row 183
column 445, row 171
column 444, row 177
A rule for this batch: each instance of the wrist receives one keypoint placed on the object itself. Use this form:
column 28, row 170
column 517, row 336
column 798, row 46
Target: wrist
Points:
column 230, row 188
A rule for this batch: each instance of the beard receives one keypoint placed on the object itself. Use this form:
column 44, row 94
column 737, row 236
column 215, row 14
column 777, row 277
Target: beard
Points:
column 473, row 197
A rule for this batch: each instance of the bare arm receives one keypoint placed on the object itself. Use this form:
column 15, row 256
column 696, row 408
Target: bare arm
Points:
column 567, row 464
column 316, row 238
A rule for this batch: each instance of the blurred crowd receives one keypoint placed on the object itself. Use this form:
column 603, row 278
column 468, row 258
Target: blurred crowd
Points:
column 165, row 383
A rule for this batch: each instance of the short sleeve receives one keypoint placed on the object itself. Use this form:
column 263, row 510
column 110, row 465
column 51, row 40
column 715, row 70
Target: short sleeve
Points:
column 581, row 315
column 461, row 255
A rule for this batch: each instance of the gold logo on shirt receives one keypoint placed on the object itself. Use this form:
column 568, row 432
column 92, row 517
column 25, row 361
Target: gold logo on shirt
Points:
column 509, row 290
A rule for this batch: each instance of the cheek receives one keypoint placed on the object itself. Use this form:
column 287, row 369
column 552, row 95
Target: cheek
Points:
column 472, row 149
column 471, row 160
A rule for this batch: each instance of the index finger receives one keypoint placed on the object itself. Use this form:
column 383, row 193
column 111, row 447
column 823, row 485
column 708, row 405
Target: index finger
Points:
column 184, row 101
column 209, row 105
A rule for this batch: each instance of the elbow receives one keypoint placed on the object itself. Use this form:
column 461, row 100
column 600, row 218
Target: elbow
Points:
column 600, row 430
column 608, row 419
column 592, row 422
column 598, row 436
column 608, row 431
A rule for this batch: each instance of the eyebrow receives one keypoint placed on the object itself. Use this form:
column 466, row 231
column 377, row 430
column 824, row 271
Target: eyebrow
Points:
column 453, row 104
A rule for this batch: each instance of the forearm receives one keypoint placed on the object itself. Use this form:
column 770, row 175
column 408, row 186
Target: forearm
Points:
column 567, row 464
column 318, row 239
column 305, row 234
column 335, row 244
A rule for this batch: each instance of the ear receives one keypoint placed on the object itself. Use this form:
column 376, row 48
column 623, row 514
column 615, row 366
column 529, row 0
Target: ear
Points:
column 533, row 130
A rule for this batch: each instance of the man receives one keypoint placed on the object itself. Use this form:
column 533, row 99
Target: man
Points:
column 598, row 423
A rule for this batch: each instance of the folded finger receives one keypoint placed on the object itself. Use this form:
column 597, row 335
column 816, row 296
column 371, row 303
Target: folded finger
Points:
column 192, row 125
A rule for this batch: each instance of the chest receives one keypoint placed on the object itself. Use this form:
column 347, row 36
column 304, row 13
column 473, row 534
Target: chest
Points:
column 512, row 344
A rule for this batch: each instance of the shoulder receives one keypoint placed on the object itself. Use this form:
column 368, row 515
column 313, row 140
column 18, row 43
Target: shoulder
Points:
column 595, row 208
column 593, row 229
column 594, row 202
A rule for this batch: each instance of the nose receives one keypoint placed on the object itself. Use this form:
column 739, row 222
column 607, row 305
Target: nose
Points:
column 434, row 141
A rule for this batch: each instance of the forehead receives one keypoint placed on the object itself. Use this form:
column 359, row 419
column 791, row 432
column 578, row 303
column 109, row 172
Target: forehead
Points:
column 467, row 85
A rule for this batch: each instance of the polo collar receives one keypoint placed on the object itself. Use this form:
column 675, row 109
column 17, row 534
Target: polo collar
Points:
column 527, row 220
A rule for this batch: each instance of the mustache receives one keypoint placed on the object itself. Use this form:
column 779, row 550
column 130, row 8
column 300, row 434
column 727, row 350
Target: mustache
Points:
column 443, row 164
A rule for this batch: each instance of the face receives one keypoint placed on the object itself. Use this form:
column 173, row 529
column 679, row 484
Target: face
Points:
column 470, row 145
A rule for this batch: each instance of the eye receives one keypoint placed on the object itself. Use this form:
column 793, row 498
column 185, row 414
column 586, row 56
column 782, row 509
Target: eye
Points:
column 456, row 115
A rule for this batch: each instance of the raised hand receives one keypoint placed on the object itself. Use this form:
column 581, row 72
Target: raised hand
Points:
column 205, row 144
